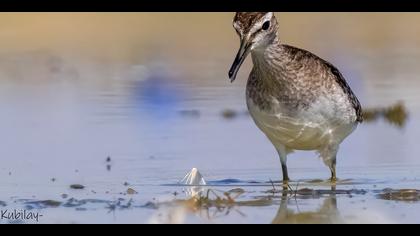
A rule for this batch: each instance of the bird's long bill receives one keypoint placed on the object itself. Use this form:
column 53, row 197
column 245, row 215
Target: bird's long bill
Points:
column 239, row 59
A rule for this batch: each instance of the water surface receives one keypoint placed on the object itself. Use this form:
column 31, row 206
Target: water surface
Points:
column 119, row 101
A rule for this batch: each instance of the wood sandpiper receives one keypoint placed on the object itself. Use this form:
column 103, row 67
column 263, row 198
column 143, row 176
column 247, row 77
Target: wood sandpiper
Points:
column 299, row 101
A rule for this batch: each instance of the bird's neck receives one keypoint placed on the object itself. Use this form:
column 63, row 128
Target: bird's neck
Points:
column 271, row 58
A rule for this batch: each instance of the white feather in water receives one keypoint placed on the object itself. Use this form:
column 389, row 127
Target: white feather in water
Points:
column 194, row 178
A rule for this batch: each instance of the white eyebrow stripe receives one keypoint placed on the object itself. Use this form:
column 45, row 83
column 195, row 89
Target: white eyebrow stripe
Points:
column 257, row 26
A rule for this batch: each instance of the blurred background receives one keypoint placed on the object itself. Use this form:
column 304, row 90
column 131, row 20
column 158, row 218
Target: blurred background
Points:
column 150, row 91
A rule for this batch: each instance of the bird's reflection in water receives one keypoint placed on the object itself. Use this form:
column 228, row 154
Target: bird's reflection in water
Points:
column 327, row 213
column 211, row 204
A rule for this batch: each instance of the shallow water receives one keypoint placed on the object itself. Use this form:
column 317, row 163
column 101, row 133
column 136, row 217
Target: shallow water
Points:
column 143, row 112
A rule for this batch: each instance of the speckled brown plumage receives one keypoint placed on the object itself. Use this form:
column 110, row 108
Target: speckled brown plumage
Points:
column 247, row 19
column 299, row 100
column 317, row 76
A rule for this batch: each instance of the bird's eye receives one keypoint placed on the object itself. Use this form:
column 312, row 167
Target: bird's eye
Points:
column 266, row 25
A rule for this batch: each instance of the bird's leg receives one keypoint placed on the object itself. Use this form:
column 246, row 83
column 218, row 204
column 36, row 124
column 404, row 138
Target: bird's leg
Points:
column 329, row 156
column 333, row 170
column 283, row 159
column 285, row 173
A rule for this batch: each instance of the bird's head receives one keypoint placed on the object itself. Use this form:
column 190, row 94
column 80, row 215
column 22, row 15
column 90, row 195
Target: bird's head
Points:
column 256, row 31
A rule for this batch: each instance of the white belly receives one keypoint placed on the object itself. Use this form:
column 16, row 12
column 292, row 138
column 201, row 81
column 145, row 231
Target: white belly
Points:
column 307, row 130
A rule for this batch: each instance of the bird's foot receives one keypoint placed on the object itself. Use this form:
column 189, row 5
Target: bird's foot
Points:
column 286, row 182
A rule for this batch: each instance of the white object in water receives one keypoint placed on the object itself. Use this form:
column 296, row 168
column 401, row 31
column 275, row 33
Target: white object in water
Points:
column 193, row 177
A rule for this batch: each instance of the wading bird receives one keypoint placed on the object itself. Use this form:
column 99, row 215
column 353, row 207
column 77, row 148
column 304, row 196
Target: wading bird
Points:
column 300, row 101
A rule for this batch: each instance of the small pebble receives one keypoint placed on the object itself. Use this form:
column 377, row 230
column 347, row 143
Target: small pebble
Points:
column 229, row 114
column 131, row 191
column 77, row 186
